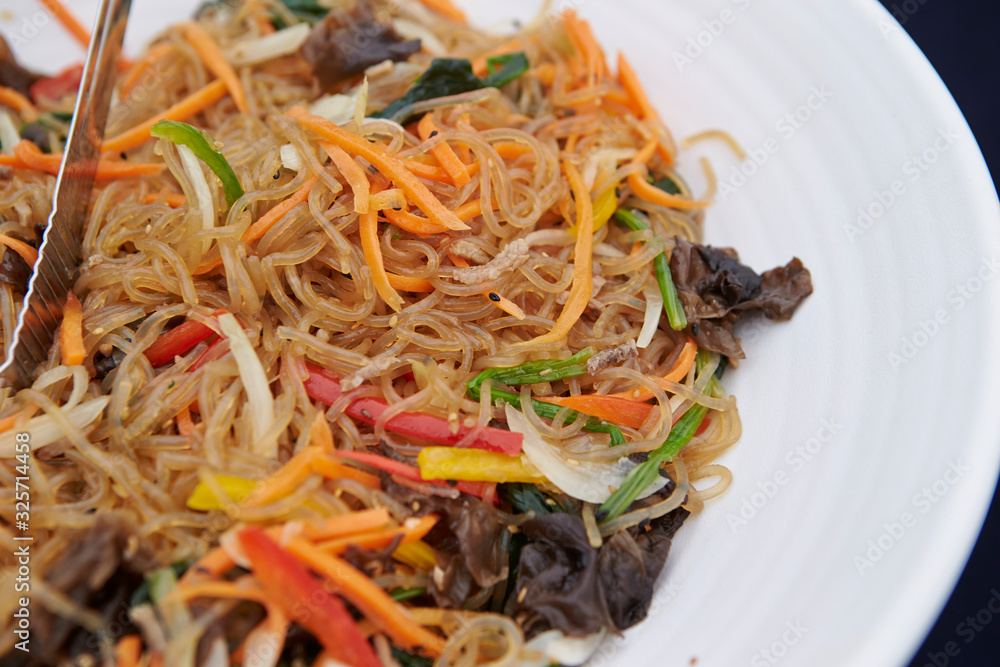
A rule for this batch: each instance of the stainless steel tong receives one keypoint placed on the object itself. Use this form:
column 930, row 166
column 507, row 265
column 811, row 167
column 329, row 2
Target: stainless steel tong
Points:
column 59, row 256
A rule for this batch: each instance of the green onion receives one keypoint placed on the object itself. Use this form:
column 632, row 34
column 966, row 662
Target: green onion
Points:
column 661, row 266
column 512, row 65
column 545, row 370
column 203, row 146
column 646, row 472
column 401, row 594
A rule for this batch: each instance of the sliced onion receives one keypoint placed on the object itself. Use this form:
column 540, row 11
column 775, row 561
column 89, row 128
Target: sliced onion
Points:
column 260, row 400
column 192, row 167
column 554, row 647
column 261, row 49
column 9, row 136
column 361, row 103
column 291, row 158
column 654, row 308
column 337, row 108
column 584, row 480
column 44, row 430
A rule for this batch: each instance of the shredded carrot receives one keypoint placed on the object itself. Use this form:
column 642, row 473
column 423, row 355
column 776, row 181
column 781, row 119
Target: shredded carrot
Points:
column 259, row 13
column 445, row 8
column 373, row 257
column 184, row 109
column 70, row 22
column 285, row 480
column 172, row 199
column 388, row 164
column 408, row 284
column 320, row 434
column 446, row 157
column 642, row 189
column 511, row 150
column 413, row 223
column 583, row 279
column 382, row 538
column 676, row 374
column 350, row 170
column 128, row 651
column 28, row 156
column 433, row 172
column 392, row 198
column 630, row 82
column 215, row 589
column 27, row 253
column 152, row 55
column 333, row 470
column 583, row 40
column 353, row 523
column 271, row 218
column 618, row 410
column 214, row 60
column 374, row 603
column 213, row 564
column 18, row 102
column 184, row 424
column 71, row 332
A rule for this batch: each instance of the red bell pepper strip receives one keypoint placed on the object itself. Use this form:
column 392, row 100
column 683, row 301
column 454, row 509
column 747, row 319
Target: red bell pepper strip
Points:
column 322, row 387
column 179, row 340
column 400, row 469
column 54, row 88
column 301, row 595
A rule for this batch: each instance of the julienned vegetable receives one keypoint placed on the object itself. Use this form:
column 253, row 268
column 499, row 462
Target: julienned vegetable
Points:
column 306, row 600
column 647, row 472
column 453, row 76
column 321, row 387
column 204, row 148
column 661, row 266
column 475, row 466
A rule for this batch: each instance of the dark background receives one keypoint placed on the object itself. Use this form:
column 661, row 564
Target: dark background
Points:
column 961, row 38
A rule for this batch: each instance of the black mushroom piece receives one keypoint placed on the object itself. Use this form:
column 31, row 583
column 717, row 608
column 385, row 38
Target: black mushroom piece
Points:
column 346, row 43
column 14, row 271
column 716, row 290
column 565, row 584
column 12, row 75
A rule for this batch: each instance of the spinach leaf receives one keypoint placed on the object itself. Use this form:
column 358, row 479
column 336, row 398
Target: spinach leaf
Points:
column 453, row 76
column 524, row 497
column 668, row 185
column 406, row 659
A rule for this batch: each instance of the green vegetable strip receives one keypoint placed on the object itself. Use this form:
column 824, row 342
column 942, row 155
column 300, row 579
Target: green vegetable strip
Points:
column 512, row 65
column 544, row 370
column 646, row 473
column 401, row 594
column 203, row 146
column 661, row 266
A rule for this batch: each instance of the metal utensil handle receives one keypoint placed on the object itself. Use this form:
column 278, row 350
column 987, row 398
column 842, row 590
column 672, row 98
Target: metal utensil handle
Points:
column 59, row 255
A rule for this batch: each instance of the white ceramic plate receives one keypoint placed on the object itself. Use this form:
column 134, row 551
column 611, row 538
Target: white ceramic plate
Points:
column 863, row 478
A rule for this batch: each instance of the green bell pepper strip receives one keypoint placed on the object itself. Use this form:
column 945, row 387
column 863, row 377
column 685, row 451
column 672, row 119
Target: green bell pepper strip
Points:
column 203, row 146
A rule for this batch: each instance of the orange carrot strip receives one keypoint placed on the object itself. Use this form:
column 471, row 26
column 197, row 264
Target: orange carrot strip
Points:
column 630, row 81
column 128, row 651
column 18, row 102
column 350, row 170
column 266, row 221
column 374, row 603
column 349, row 524
column 444, row 154
column 373, row 257
column 184, row 424
column 445, row 8
column 215, row 589
column 583, row 279
column 388, row 164
column 333, row 470
column 27, row 253
column 285, row 480
column 173, row 199
column 511, row 150
column 142, row 65
column 28, row 156
column 271, row 218
column 413, row 223
column 213, row 564
column 676, row 374
column 320, row 434
column 407, row 284
column 612, row 408
column 433, row 172
column 212, row 57
column 382, row 538
column 642, row 189
column 70, row 22
column 184, row 109
column 71, row 332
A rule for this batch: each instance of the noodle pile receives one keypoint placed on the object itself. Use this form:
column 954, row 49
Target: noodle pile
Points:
column 378, row 294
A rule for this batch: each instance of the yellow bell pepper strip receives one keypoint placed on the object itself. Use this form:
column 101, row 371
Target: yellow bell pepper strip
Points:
column 475, row 466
